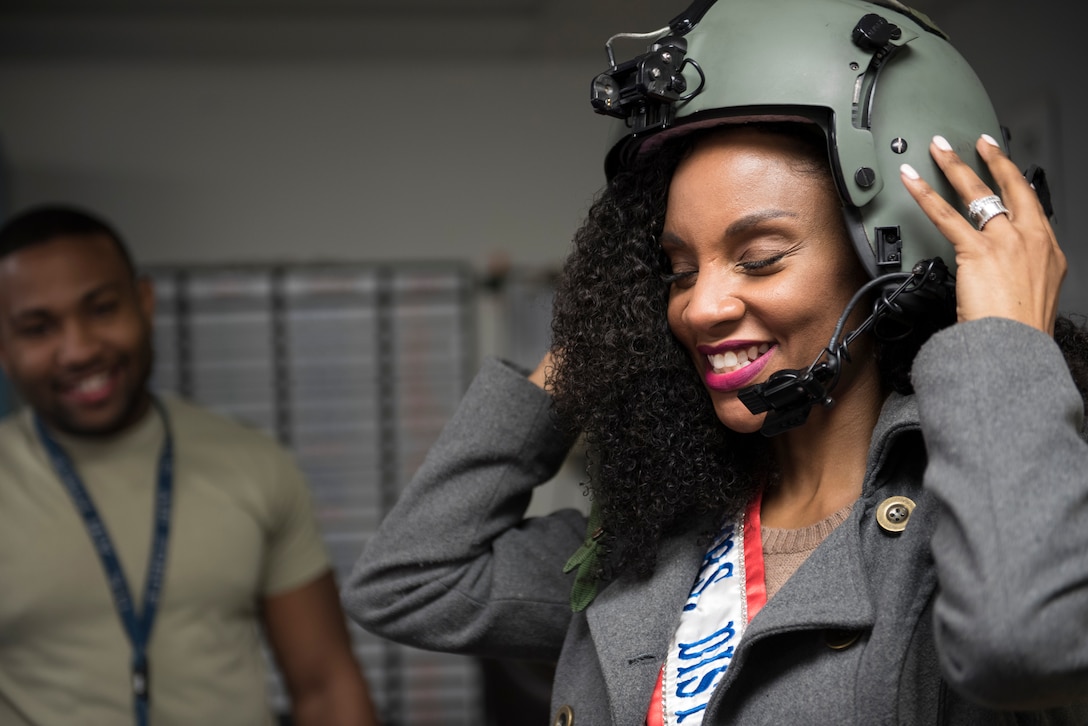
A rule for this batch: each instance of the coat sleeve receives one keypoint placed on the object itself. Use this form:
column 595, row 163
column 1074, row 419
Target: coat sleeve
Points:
column 455, row 566
column 1003, row 424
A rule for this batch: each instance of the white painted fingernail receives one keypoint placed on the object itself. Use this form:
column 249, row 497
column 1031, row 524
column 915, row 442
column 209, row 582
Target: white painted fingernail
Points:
column 908, row 171
column 990, row 140
column 942, row 143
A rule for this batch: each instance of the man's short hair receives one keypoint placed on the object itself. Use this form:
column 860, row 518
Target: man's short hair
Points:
column 46, row 222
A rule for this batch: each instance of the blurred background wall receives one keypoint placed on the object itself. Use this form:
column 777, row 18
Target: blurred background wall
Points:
column 273, row 134
column 219, row 130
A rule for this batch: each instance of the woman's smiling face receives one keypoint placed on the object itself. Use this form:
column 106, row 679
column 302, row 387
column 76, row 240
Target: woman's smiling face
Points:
column 762, row 267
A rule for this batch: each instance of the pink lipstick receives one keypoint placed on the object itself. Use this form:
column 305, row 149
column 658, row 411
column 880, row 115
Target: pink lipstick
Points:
column 740, row 377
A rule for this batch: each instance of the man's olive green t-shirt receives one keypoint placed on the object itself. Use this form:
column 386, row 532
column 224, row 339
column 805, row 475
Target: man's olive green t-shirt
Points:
column 242, row 529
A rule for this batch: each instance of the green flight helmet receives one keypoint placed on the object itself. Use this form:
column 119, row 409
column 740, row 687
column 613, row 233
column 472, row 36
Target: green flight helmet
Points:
column 879, row 78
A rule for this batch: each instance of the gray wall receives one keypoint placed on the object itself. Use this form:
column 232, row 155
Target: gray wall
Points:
column 310, row 160
column 1033, row 68
column 373, row 158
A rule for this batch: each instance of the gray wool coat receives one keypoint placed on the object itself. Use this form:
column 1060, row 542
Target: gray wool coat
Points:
column 975, row 613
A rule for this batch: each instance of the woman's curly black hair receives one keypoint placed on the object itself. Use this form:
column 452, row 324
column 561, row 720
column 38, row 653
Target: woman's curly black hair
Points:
column 658, row 455
column 1071, row 335
column 659, row 458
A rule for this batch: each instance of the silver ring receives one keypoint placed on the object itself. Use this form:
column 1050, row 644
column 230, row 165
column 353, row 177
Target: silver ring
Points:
column 983, row 209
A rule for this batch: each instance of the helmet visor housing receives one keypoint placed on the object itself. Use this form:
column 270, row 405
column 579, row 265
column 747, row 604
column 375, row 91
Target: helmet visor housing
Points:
column 880, row 80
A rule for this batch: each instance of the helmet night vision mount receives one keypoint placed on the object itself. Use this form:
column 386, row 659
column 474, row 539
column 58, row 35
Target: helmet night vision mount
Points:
column 880, row 80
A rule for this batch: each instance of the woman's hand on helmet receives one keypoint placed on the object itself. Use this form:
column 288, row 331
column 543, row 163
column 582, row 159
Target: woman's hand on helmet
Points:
column 542, row 375
column 1013, row 267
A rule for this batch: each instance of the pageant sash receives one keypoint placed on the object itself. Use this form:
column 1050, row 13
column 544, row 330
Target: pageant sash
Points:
column 728, row 591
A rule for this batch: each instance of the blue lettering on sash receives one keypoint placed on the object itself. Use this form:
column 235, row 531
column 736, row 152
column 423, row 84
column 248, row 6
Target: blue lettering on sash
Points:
column 713, row 568
column 727, row 653
column 682, row 690
column 706, row 659
column 725, row 634
column 710, row 652
column 723, row 546
column 724, row 570
column 681, row 715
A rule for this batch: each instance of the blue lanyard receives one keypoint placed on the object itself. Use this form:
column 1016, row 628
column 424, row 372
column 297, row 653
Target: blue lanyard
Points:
column 137, row 626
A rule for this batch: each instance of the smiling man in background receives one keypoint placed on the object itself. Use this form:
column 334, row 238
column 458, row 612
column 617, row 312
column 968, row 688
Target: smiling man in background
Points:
column 144, row 541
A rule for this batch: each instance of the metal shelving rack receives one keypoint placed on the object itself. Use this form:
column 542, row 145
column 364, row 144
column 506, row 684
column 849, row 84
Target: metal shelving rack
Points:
column 355, row 368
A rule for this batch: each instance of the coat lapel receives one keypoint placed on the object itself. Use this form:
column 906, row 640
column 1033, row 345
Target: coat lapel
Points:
column 827, row 591
column 632, row 621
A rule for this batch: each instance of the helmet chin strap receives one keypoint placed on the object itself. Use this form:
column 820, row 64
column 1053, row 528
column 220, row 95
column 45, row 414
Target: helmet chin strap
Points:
column 789, row 395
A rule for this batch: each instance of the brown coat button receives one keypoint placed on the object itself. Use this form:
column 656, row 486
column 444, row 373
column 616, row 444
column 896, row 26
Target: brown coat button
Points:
column 893, row 513
column 564, row 717
column 841, row 639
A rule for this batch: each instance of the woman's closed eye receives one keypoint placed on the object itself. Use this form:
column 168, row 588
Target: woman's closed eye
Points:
column 766, row 264
column 683, row 275
column 679, row 277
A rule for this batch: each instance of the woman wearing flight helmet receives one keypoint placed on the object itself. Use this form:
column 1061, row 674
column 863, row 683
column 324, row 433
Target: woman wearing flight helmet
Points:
column 904, row 542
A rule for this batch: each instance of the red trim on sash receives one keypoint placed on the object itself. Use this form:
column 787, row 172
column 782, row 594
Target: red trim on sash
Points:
column 755, row 585
column 655, row 716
